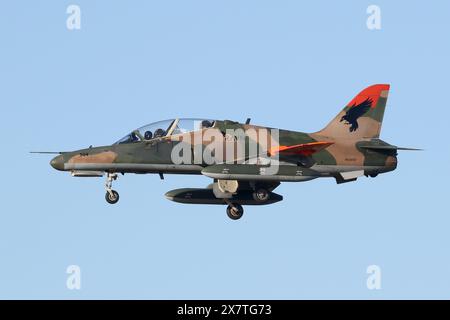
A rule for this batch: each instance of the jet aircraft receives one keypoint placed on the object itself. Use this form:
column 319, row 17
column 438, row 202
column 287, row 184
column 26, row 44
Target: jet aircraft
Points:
column 246, row 162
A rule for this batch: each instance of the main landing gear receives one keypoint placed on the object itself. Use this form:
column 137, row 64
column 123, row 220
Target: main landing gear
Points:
column 234, row 210
column 261, row 195
column 111, row 196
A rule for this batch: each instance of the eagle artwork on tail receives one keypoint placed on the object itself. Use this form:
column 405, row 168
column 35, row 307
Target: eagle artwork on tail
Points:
column 354, row 112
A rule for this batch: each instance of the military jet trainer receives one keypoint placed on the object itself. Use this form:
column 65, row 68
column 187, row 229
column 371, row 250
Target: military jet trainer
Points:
column 245, row 162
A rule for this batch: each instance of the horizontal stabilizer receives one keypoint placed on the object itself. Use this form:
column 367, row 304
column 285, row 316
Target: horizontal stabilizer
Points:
column 389, row 148
column 408, row 149
column 304, row 149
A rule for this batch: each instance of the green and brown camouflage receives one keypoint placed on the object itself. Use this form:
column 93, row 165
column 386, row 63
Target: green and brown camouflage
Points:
column 347, row 148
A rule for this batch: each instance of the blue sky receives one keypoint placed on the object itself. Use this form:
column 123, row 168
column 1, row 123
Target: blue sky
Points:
column 285, row 64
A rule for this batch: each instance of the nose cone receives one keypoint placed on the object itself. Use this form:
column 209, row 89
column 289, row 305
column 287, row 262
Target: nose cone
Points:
column 57, row 163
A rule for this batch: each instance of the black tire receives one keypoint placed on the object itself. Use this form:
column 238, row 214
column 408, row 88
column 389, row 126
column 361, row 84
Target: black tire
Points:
column 112, row 199
column 261, row 195
column 236, row 212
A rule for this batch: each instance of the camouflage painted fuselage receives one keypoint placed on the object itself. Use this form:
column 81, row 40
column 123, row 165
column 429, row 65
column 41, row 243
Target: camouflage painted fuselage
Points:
column 155, row 156
column 245, row 161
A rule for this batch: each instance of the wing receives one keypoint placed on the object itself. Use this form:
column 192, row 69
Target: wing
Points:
column 389, row 148
column 304, row 149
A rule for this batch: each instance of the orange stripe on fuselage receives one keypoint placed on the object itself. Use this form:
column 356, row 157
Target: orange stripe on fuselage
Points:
column 304, row 149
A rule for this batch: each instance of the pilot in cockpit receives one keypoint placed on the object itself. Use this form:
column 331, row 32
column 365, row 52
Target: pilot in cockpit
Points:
column 148, row 135
column 206, row 124
column 134, row 137
column 159, row 133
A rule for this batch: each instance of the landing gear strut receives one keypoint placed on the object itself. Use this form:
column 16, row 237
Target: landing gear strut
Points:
column 235, row 211
column 111, row 196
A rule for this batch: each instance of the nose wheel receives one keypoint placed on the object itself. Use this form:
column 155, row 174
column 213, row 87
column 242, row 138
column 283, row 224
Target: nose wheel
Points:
column 111, row 196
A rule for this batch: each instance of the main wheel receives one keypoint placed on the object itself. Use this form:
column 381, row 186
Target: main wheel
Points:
column 261, row 195
column 235, row 211
column 112, row 197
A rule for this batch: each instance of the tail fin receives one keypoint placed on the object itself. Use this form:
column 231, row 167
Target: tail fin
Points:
column 362, row 117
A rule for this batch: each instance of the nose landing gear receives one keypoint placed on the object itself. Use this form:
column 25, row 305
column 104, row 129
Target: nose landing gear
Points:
column 111, row 196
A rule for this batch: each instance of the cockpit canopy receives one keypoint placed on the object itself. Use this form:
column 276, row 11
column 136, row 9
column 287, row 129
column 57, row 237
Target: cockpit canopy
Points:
column 166, row 128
